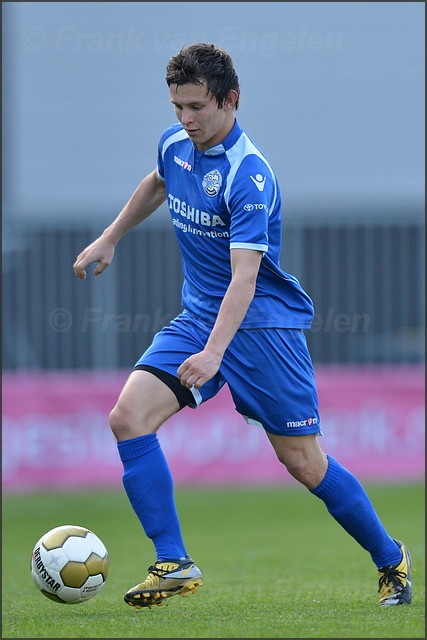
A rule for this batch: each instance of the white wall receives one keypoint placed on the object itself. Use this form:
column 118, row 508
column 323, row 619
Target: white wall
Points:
column 332, row 92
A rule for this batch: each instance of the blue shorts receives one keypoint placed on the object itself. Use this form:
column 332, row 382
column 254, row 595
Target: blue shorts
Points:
column 269, row 373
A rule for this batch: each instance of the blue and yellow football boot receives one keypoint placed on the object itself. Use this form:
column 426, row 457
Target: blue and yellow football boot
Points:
column 165, row 579
column 395, row 585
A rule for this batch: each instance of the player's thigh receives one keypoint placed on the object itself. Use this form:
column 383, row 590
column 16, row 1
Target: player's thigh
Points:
column 144, row 404
column 271, row 380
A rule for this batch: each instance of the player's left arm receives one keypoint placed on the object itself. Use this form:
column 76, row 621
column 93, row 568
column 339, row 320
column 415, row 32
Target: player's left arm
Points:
column 202, row 366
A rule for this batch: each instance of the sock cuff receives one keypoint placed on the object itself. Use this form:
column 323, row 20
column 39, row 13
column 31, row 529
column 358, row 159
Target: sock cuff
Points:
column 330, row 481
column 136, row 447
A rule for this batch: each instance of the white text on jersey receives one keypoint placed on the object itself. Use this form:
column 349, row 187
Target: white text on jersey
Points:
column 195, row 215
column 182, row 163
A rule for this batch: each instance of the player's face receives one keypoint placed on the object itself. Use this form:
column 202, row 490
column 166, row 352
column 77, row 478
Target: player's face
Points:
column 198, row 112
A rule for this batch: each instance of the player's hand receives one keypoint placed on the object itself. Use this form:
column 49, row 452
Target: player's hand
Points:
column 198, row 369
column 101, row 251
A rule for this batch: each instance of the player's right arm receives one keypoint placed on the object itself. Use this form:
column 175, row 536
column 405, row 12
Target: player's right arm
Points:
column 147, row 197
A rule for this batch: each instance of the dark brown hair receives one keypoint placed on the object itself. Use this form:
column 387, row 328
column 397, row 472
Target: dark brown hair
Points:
column 204, row 64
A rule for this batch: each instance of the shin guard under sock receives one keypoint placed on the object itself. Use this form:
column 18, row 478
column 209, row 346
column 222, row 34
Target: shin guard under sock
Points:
column 149, row 486
column 348, row 503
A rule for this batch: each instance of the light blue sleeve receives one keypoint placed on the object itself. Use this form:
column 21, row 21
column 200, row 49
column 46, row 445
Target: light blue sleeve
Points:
column 251, row 200
column 160, row 162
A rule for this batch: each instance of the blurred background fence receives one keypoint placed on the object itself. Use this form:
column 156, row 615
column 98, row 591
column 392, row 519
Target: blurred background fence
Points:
column 365, row 274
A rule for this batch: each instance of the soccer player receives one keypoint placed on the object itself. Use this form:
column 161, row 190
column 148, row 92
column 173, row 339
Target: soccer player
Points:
column 242, row 324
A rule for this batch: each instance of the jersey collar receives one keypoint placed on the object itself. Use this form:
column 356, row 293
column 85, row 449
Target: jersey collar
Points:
column 227, row 143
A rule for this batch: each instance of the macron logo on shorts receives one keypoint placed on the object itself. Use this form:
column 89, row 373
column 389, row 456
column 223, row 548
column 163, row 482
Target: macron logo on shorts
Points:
column 301, row 423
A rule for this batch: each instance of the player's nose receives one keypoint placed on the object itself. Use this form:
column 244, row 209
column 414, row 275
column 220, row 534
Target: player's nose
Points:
column 186, row 116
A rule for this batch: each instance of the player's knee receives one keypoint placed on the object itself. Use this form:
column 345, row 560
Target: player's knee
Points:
column 121, row 423
column 295, row 465
column 126, row 422
column 303, row 468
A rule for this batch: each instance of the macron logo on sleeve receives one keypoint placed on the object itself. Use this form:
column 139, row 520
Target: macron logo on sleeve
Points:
column 259, row 181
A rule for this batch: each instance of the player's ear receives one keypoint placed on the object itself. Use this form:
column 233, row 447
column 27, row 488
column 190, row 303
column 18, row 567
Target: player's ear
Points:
column 231, row 100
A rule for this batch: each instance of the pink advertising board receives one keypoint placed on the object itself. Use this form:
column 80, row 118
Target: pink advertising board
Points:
column 56, row 434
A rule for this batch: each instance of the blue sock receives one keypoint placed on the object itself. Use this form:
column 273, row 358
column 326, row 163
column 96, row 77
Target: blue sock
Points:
column 348, row 503
column 149, row 486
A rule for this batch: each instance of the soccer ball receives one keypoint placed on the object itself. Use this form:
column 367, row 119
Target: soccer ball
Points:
column 69, row 564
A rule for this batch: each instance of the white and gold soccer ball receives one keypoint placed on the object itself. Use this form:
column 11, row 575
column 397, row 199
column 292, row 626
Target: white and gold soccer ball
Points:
column 69, row 564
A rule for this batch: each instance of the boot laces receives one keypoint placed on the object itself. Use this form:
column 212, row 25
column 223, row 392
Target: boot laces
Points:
column 158, row 572
column 392, row 577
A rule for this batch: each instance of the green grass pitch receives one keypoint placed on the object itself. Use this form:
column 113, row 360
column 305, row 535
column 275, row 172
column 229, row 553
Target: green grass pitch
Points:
column 275, row 565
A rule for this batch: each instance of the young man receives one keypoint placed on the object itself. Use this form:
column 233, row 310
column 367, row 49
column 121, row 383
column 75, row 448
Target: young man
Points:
column 242, row 325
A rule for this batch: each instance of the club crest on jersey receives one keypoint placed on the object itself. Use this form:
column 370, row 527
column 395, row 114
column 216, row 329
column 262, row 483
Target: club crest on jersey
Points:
column 212, row 182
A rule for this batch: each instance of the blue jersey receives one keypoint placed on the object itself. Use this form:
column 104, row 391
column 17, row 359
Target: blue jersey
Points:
column 224, row 198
